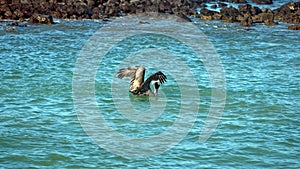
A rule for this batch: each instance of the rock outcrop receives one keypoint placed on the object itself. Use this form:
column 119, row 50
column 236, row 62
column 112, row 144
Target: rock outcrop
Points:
column 42, row 11
column 289, row 13
column 41, row 19
column 294, row 27
column 247, row 15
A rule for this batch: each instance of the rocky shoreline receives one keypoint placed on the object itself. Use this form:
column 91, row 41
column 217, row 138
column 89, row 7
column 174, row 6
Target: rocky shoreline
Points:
column 43, row 11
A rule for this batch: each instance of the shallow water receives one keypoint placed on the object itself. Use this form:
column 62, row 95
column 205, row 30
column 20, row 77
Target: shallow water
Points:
column 259, row 127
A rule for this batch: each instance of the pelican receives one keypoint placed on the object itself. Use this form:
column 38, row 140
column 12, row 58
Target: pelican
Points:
column 137, row 84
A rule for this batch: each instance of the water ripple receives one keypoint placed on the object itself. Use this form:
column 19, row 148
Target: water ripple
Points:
column 259, row 128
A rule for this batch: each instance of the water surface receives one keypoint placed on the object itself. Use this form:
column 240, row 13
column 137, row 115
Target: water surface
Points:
column 259, row 127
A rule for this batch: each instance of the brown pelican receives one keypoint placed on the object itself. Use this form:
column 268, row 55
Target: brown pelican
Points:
column 137, row 84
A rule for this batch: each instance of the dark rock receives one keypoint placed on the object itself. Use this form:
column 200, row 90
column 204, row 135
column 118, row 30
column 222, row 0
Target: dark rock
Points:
column 95, row 16
column 247, row 9
column 221, row 5
column 217, row 16
column 6, row 11
column 18, row 14
column 24, row 1
column 80, row 10
column 203, row 5
column 41, row 19
column 206, row 18
column 164, row 7
column 289, row 13
column 266, row 10
column 214, row 6
column 3, row 2
column 206, row 14
column 266, row 16
column 90, row 3
column 17, row 24
column 13, row 24
column 27, row 11
column 246, row 22
column 153, row 8
column 229, row 14
column 96, row 10
column 263, row 1
column 294, row 27
column 270, row 22
column 88, row 11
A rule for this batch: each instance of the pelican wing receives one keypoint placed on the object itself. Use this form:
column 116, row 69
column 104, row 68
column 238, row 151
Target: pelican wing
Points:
column 136, row 74
column 158, row 76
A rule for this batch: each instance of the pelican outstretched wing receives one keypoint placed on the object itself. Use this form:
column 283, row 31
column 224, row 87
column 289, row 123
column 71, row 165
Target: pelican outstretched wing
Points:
column 136, row 74
column 158, row 76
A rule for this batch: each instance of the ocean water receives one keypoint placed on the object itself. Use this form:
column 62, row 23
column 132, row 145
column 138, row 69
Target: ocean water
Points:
column 40, row 127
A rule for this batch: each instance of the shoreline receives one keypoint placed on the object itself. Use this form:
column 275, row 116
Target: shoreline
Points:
column 247, row 15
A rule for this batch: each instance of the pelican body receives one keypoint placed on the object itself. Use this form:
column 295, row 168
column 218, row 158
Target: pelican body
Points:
column 137, row 84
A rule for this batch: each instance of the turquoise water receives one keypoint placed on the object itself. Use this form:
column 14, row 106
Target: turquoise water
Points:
column 259, row 127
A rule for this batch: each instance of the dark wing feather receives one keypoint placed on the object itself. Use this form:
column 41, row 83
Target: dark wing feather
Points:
column 161, row 77
column 158, row 76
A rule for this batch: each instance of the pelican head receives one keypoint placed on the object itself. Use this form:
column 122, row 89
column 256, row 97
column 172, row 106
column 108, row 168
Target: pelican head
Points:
column 156, row 85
